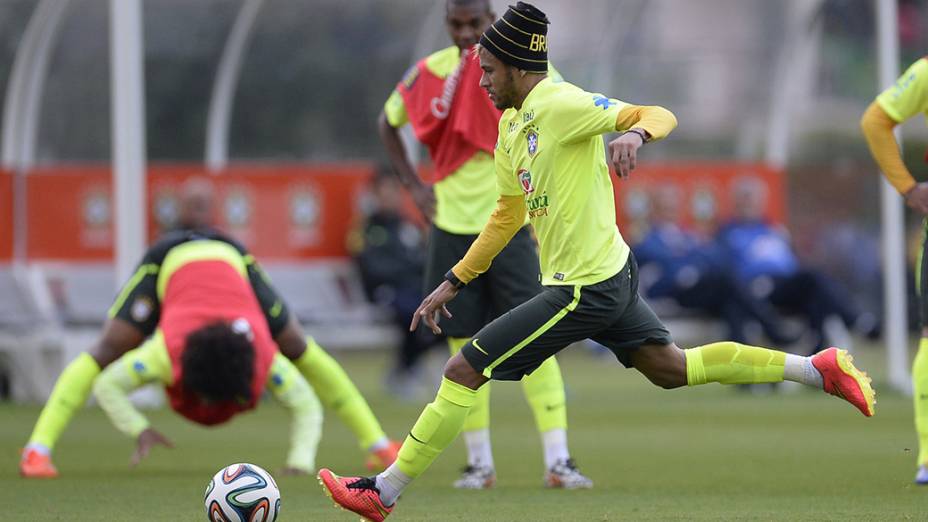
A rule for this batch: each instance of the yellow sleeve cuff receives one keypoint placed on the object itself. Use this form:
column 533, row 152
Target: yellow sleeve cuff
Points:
column 505, row 221
column 877, row 126
column 657, row 120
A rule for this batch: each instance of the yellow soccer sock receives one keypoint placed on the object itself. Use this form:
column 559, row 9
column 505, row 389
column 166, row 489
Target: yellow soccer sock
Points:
column 478, row 418
column 544, row 391
column 733, row 363
column 70, row 393
column 438, row 425
column 337, row 392
column 920, row 385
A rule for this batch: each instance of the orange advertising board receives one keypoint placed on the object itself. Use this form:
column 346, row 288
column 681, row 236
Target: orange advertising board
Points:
column 293, row 212
column 279, row 211
column 6, row 216
column 69, row 213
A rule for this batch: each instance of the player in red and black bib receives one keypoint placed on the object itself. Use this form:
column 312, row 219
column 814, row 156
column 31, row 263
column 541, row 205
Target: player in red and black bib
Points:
column 204, row 288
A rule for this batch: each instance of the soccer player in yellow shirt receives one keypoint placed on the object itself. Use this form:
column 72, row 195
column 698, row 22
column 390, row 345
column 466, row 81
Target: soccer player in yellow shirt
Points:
column 550, row 165
column 908, row 97
column 441, row 99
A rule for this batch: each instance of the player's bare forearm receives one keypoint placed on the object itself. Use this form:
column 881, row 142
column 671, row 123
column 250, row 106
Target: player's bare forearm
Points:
column 877, row 128
column 422, row 193
column 396, row 152
column 291, row 341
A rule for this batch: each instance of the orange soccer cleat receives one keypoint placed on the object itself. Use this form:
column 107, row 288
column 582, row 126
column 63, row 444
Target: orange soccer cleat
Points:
column 356, row 494
column 35, row 464
column 381, row 459
column 844, row 380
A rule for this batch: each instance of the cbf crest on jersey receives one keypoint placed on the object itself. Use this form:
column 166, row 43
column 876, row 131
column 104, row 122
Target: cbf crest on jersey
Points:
column 525, row 178
column 531, row 138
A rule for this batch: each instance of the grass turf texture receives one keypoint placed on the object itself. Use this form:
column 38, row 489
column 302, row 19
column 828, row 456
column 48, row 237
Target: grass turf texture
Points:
column 692, row 454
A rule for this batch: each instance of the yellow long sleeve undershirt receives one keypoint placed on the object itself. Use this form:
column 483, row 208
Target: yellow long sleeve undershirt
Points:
column 656, row 120
column 504, row 222
column 878, row 128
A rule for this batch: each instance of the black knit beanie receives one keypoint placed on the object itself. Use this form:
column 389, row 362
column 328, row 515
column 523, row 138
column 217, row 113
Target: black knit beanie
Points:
column 520, row 38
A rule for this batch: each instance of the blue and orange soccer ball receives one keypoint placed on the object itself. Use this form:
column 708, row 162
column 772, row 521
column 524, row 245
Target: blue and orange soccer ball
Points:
column 242, row 493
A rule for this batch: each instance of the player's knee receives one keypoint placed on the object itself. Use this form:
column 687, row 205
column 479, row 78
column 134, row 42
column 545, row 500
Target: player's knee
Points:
column 460, row 371
column 664, row 366
column 668, row 380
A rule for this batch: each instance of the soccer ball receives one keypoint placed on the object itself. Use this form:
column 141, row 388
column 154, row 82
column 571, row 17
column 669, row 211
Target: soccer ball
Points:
column 242, row 493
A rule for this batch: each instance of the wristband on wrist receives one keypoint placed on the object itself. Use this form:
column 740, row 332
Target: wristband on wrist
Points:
column 641, row 134
column 453, row 279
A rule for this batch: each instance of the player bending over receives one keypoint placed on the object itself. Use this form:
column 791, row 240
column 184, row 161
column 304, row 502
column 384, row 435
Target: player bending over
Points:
column 214, row 355
column 143, row 306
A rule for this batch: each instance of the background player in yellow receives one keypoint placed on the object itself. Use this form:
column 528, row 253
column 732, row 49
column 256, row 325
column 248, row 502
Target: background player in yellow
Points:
column 440, row 97
column 908, row 97
column 550, row 164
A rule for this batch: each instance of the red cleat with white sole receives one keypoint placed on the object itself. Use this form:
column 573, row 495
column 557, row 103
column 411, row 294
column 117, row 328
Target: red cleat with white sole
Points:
column 356, row 494
column 34, row 464
column 844, row 380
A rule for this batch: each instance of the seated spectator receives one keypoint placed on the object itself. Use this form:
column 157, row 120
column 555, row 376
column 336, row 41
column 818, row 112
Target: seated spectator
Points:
column 390, row 254
column 761, row 258
column 689, row 270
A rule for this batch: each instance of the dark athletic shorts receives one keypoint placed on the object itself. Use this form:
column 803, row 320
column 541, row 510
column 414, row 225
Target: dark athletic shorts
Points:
column 512, row 279
column 610, row 312
column 138, row 304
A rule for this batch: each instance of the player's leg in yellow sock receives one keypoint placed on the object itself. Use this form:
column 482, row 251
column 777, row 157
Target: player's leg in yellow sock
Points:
column 438, row 425
column 69, row 394
column 337, row 392
column 920, row 385
column 733, row 363
column 476, row 429
column 544, row 391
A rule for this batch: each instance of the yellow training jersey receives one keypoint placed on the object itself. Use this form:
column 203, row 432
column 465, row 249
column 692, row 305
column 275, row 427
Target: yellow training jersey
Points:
column 909, row 95
column 465, row 199
column 551, row 152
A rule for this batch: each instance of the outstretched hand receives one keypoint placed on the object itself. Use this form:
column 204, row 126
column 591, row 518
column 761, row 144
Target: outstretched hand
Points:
column 624, row 153
column 146, row 441
column 432, row 305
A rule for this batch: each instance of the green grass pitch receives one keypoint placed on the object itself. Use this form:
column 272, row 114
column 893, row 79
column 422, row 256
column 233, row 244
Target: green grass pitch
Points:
column 711, row 453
